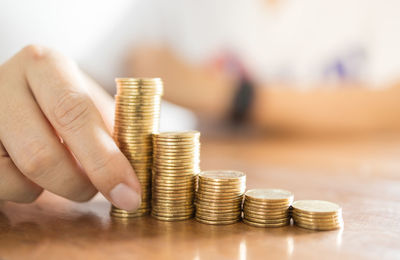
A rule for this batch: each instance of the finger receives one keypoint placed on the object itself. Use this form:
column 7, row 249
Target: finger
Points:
column 14, row 186
column 102, row 100
column 32, row 144
column 59, row 88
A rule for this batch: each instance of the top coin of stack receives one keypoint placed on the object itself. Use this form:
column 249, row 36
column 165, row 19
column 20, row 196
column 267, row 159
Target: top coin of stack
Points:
column 267, row 207
column 137, row 112
column 219, row 196
column 176, row 161
column 317, row 214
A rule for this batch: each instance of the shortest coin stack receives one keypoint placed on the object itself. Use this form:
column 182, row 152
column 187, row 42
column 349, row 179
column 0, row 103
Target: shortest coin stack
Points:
column 219, row 197
column 317, row 214
column 267, row 207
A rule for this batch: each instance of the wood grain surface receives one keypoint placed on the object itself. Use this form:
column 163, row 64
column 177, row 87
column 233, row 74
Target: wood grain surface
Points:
column 360, row 174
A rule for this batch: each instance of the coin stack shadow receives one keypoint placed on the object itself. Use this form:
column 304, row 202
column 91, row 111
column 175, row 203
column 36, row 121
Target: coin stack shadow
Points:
column 176, row 160
column 137, row 113
column 317, row 215
column 219, row 197
column 267, row 207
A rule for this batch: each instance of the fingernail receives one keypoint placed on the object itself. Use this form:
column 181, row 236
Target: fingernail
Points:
column 124, row 197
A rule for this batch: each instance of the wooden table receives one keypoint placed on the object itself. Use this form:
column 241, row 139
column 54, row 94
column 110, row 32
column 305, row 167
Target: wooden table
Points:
column 362, row 175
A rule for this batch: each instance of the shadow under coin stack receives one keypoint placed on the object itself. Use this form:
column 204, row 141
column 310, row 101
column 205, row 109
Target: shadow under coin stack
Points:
column 176, row 160
column 267, row 207
column 219, row 197
column 137, row 113
column 317, row 215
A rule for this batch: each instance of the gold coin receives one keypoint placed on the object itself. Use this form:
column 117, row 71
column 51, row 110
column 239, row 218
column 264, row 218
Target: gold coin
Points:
column 219, row 222
column 319, row 224
column 266, row 216
column 217, row 218
column 129, row 94
column 171, row 214
column 255, row 224
column 202, row 198
column 136, row 98
column 141, row 105
column 115, row 209
column 321, row 228
column 230, row 184
column 172, row 218
column 136, row 111
column 177, row 135
column 222, row 192
column 215, row 207
column 166, row 147
column 174, row 155
column 173, row 179
column 268, row 221
column 218, row 210
column 218, row 203
column 316, row 207
column 137, row 93
column 222, row 176
column 216, row 214
column 175, row 209
column 136, row 125
column 162, row 185
column 172, row 203
column 218, row 196
column 272, row 195
column 190, row 172
column 314, row 217
column 177, row 183
column 267, row 203
column 180, row 163
column 173, row 182
column 132, row 109
column 265, row 209
column 176, row 160
column 180, row 190
column 126, row 90
column 137, row 122
column 173, row 193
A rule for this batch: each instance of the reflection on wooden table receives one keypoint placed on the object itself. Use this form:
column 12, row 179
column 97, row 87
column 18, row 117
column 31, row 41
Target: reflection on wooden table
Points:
column 362, row 175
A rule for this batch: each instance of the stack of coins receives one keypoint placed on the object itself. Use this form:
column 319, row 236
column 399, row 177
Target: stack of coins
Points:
column 137, row 110
column 219, row 197
column 267, row 207
column 317, row 214
column 176, row 161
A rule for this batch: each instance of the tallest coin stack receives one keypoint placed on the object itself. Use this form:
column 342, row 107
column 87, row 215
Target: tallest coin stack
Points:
column 137, row 115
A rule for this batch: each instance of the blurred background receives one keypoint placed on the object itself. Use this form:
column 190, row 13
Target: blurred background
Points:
column 313, row 67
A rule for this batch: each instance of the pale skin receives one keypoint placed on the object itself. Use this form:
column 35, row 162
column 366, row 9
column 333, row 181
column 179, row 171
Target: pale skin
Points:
column 343, row 109
column 45, row 98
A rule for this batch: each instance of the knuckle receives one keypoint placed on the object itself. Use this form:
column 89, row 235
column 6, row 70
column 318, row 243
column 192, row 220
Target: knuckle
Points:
column 36, row 52
column 71, row 111
column 101, row 165
column 35, row 159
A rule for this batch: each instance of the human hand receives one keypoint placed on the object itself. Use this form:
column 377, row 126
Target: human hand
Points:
column 53, row 137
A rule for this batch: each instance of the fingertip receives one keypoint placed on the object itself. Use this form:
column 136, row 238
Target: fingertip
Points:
column 125, row 197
